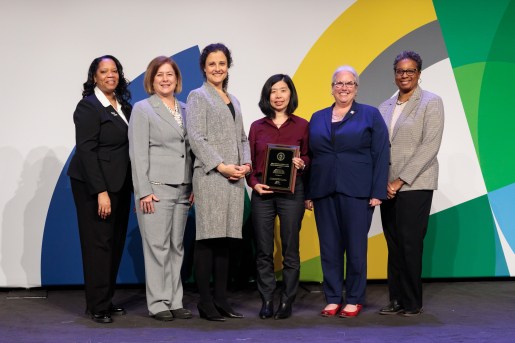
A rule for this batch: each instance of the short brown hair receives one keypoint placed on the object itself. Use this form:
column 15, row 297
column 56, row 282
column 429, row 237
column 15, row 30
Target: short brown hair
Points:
column 150, row 74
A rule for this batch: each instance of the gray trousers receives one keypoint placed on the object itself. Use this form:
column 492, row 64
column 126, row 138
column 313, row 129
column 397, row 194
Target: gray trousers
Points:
column 162, row 234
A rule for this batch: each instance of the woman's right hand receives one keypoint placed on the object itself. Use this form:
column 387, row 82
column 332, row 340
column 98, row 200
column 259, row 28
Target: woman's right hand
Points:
column 147, row 203
column 104, row 205
column 231, row 171
column 308, row 204
column 262, row 189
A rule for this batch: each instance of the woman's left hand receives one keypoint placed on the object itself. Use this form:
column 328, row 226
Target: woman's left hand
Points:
column 243, row 170
column 298, row 162
column 375, row 202
column 191, row 200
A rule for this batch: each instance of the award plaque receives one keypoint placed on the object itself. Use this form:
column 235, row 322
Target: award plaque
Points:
column 279, row 172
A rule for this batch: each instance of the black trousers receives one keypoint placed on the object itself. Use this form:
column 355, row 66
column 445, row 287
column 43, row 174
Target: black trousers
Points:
column 102, row 241
column 405, row 219
column 290, row 209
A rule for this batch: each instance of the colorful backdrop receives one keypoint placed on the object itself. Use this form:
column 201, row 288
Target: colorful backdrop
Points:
column 468, row 59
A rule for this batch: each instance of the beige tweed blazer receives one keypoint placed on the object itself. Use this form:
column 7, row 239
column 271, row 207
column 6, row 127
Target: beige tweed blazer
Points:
column 415, row 140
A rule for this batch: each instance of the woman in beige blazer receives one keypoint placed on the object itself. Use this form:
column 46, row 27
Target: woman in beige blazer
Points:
column 415, row 120
column 222, row 152
column 161, row 172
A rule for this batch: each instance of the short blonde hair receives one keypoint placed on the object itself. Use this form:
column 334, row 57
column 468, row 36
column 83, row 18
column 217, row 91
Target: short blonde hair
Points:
column 153, row 67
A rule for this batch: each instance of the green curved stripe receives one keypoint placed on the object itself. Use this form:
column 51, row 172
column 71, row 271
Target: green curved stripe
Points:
column 469, row 78
column 469, row 28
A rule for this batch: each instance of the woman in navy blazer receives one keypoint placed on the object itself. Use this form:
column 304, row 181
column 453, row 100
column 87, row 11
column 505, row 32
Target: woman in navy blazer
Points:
column 349, row 171
column 100, row 178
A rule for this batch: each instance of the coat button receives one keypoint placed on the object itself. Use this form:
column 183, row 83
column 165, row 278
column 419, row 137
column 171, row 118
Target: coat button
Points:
column 390, row 163
column 182, row 140
column 182, row 156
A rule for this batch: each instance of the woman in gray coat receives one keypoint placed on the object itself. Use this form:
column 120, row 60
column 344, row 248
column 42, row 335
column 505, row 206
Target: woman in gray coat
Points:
column 161, row 173
column 217, row 138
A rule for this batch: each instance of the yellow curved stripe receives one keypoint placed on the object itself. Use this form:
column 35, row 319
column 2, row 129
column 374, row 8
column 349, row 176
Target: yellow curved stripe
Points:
column 356, row 38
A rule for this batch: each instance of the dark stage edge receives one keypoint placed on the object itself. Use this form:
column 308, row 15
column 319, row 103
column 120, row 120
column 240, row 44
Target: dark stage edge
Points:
column 454, row 312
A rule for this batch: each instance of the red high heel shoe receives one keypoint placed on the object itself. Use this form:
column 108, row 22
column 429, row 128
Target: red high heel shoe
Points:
column 328, row 313
column 348, row 314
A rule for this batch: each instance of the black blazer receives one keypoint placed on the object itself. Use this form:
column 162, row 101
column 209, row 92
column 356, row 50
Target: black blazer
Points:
column 101, row 158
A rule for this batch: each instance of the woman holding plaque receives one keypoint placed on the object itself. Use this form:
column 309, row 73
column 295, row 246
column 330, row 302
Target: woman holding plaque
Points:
column 349, row 172
column 280, row 126
column 221, row 148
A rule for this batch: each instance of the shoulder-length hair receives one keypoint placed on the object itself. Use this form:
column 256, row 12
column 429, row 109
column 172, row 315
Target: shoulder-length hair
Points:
column 214, row 48
column 153, row 67
column 121, row 93
column 264, row 102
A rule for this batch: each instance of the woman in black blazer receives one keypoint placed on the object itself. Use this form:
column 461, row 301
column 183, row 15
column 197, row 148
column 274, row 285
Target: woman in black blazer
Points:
column 100, row 176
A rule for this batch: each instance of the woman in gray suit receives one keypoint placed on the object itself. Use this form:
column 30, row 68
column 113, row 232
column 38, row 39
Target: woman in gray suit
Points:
column 221, row 148
column 415, row 121
column 161, row 173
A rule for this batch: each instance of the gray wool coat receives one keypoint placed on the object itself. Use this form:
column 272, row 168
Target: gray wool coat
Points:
column 216, row 137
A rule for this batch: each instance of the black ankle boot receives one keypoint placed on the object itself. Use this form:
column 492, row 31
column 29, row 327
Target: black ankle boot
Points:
column 227, row 311
column 267, row 310
column 207, row 310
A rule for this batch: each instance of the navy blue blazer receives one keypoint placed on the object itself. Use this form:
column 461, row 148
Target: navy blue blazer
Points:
column 101, row 158
column 357, row 164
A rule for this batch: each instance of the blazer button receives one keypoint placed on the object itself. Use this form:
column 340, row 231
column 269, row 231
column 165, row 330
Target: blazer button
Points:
column 390, row 163
column 182, row 140
column 182, row 156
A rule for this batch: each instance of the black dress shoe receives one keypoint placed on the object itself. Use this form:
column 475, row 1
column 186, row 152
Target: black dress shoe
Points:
column 182, row 313
column 207, row 310
column 416, row 312
column 116, row 311
column 164, row 316
column 392, row 308
column 283, row 312
column 229, row 313
column 100, row 317
column 267, row 310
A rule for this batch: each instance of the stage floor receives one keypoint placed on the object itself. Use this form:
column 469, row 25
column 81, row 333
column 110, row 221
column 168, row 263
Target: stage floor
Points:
column 454, row 312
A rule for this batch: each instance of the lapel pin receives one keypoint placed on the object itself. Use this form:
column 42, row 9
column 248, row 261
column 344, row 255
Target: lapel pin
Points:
column 351, row 112
column 114, row 114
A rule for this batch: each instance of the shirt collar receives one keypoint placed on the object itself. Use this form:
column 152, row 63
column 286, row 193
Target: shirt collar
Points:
column 269, row 121
column 103, row 99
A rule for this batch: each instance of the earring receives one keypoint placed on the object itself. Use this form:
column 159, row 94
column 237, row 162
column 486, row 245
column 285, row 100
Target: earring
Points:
column 419, row 81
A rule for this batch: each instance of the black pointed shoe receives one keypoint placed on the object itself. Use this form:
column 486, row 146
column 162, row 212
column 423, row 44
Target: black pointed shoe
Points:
column 116, row 311
column 229, row 313
column 392, row 308
column 283, row 312
column 267, row 310
column 416, row 312
column 207, row 310
column 100, row 317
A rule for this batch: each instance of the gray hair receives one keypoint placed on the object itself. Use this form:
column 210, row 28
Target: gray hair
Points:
column 349, row 69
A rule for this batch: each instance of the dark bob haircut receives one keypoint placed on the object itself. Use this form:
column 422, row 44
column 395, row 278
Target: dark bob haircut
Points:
column 264, row 102
column 411, row 55
column 122, row 93
column 214, row 48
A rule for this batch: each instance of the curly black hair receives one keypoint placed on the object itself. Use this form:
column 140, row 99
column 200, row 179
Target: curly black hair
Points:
column 122, row 93
column 411, row 55
column 264, row 102
column 214, row 48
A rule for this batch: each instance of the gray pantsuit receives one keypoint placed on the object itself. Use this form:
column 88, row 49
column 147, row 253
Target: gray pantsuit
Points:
column 161, row 165
column 162, row 235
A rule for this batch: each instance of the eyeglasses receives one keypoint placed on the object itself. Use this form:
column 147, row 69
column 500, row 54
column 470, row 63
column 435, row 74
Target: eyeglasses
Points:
column 340, row 84
column 409, row 72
